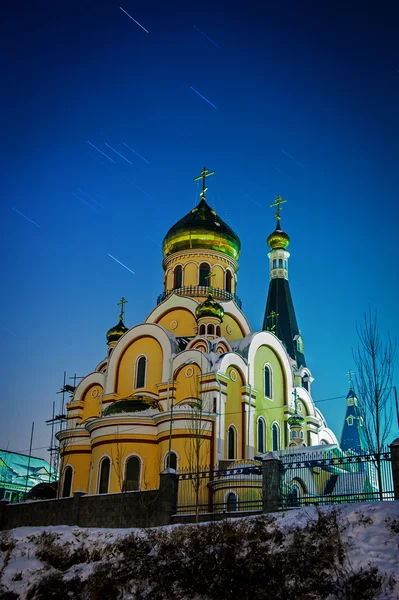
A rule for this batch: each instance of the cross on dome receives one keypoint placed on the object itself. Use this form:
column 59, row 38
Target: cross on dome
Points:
column 278, row 201
column 204, row 173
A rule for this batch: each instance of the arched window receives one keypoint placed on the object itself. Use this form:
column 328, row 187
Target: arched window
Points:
column 285, row 264
column 202, row 330
column 294, row 435
column 211, row 329
column 204, row 271
column 275, row 437
column 280, row 263
column 231, row 502
column 268, row 381
column 178, row 277
column 231, row 439
column 228, row 281
column 218, row 331
column 140, row 372
column 66, row 490
column 261, row 435
column 104, row 476
column 274, row 263
column 305, row 381
column 132, row 474
column 171, row 461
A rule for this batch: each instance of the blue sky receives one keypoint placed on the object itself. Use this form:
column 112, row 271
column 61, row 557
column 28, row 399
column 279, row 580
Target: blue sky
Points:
column 309, row 83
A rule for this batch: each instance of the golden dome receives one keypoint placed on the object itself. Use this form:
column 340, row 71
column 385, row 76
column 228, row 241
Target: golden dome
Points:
column 202, row 228
column 116, row 332
column 209, row 308
column 278, row 240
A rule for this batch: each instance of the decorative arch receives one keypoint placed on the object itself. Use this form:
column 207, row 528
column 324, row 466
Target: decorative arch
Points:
column 177, row 277
column 172, row 463
column 231, row 501
column 104, row 475
column 228, row 278
column 132, row 473
column 202, row 329
column 203, row 272
column 232, row 442
column 268, row 381
column 67, row 481
column 261, row 435
column 222, row 348
column 140, row 371
column 94, row 378
column 264, row 338
column 210, row 330
column 276, row 437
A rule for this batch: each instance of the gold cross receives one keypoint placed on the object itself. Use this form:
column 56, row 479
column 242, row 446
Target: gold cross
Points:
column 204, row 173
column 272, row 316
column 209, row 277
column 350, row 373
column 278, row 201
column 121, row 304
column 295, row 400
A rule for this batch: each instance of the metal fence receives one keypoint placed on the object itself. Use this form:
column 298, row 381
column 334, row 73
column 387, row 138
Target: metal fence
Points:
column 216, row 490
column 336, row 480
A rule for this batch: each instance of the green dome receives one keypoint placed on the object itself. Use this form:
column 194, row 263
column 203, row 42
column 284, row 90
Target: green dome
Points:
column 209, row 308
column 296, row 421
column 130, row 405
column 202, row 228
column 116, row 332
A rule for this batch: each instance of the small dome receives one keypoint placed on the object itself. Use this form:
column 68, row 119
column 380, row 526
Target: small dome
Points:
column 278, row 240
column 209, row 308
column 202, row 228
column 116, row 332
column 295, row 421
column 130, row 405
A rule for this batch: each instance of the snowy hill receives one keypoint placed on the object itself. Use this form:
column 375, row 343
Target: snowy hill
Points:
column 349, row 553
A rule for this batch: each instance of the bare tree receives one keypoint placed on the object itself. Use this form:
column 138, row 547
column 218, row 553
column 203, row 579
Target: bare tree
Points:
column 374, row 359
column 118, row 461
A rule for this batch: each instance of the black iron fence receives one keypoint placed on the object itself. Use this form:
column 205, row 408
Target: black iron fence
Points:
column 200, row 291
column 215, row 490
column 364, row 477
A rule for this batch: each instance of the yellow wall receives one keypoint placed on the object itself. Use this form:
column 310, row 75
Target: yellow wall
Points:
column 186, row 323
column 190, row 263
column 187, row 387
column 91, row 399
column 236, row 331
column 149, row 347
column 234, row 409
column 80, row 463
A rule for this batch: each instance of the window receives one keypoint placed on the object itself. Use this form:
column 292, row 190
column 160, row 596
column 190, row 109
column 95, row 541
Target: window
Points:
column 285, row 264
column 274, row 263
column 268, row 381
column 211, row 329
column 228, row 281
column 104, row 476
column 275, row 437
column 350, row 420
column 66, row 490
column 261, row 435
column 231, row 451
column 202, row 330
column 280, row 263
column 140, row 372
column 204, row 271
column 294, row 435
column 171, row 461
column 178, row 277
column 231, row 502
column 132, row 474
column 218, row 331
column 305, row 381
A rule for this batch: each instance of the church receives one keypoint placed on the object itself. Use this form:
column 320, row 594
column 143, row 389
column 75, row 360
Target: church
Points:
column 193, row 386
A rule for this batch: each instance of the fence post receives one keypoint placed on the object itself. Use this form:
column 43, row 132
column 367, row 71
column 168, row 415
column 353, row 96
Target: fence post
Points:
column 168, row 490
column 3, row 504
column 75, row 507
column 271, row 498
column 394, row 447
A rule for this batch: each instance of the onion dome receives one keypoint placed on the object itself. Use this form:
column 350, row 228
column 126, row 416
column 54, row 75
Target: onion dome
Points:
column 295, row 421
column 202, row 228
column 278, row 240
column 116, row 332
column 131, row 404
column 209, row 308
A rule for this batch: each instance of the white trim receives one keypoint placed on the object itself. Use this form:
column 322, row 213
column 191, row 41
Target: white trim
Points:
column 231, row 359
column 165, row 457
column 63, row 480
column 279, row 436
column 136, row 372
column 133, row 454
column 95, row 378
column 99, row 473
column 266, row 338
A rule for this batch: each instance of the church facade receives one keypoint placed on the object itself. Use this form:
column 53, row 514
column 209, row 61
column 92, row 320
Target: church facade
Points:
column 193, row 385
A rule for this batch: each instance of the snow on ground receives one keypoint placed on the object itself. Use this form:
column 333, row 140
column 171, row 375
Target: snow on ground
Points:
column 371, row 531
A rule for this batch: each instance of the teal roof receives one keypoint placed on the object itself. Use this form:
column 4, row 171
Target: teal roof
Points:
column 14, row 472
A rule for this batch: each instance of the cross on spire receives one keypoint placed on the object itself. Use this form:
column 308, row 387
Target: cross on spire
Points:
column 204, row 173
column 278, row 201
column 294, row 393
column 349, row 374
column 273, row 316
column 122, row 305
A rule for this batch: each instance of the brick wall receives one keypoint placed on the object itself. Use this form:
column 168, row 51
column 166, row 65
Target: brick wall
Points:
column 131, row 509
